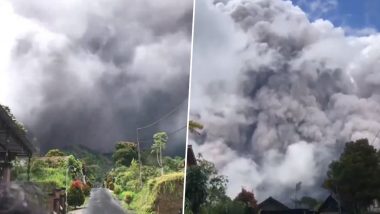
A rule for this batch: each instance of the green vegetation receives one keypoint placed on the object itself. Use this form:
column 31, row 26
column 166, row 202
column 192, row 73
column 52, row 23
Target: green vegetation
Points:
column 95, row 165
column 155, row 184
column 206, row 192
column 160, row 139
column 75, row 195
column 354, row 176
column 124, row 154
column 54, row 153
column 162, row 178
column 167, row 189
column 49, row 172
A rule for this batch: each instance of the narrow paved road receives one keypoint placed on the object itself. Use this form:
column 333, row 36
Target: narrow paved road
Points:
column 102, row 202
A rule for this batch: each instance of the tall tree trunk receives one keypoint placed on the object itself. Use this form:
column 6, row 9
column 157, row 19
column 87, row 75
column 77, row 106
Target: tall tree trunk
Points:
column 158, row 160
column 162, row 167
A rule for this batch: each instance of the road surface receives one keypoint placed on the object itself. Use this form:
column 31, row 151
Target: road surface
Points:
column 101, row 202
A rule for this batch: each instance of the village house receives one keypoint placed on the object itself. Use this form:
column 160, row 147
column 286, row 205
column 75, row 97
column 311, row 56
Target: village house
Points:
column 272, row 206
column 13, row 143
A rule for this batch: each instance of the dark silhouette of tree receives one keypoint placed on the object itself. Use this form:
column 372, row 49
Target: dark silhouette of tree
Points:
column 248, row 199
column 204, row 186
column 196, row 187
column 354, row 177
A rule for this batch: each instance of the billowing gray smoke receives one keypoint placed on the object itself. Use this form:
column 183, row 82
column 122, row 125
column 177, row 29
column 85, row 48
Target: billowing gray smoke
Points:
column 279, row 95
column 91, row 72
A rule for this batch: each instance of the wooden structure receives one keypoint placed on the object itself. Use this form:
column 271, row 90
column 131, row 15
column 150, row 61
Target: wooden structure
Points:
column 191, row 160
column 57, row 201
column 13, row 143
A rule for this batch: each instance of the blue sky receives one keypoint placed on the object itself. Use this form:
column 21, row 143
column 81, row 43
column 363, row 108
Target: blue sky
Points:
column 355, row 14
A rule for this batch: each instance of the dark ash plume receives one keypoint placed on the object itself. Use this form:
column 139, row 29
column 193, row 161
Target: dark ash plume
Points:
column 91, row 72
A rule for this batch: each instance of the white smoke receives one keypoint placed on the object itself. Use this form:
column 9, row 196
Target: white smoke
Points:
column 278, row 94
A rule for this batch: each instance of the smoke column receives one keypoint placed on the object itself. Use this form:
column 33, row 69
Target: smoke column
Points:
column 279, row 94
column 91, row 72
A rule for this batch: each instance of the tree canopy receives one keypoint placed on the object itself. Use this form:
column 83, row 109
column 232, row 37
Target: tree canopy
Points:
column 204, row 186
column 124, row 153
column 160, row 139
column 354, row 177
column 247, row 197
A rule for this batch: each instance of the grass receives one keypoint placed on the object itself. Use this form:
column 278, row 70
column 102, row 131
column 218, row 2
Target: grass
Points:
column 145, row 201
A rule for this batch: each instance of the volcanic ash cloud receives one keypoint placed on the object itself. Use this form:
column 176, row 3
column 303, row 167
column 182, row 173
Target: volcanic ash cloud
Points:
column 288, row 96
column 91, row 72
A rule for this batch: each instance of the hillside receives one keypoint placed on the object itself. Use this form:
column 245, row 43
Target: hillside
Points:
column 94, row 162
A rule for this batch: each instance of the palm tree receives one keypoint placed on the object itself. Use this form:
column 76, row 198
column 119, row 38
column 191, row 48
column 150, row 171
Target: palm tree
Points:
column 160, row 139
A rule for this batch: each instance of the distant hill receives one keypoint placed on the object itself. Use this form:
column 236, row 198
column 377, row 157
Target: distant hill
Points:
column 99, row 164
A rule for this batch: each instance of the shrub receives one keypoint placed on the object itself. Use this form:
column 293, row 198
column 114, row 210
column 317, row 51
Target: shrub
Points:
column 75, row 196
column 129, row 197
column 37, row 167
column 117, row 190
column 111, row 186
column 77, row 184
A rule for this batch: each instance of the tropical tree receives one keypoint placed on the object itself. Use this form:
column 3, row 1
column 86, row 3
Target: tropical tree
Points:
column 74, row 166
column 160, row 139
column 204, row 187
column 354, row 176
column 124, row 153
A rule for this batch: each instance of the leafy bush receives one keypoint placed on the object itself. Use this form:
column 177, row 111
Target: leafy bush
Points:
column 117, row 190
column 37, row 167
column 174, row 164
column 129, row 197
column 75, row 196
column 77, row 184
column 75, row 166
column 111, row 186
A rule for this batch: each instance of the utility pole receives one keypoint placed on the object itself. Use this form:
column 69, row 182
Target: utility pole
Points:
column 139, row 156
column 298, row 187
column 295, row 198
